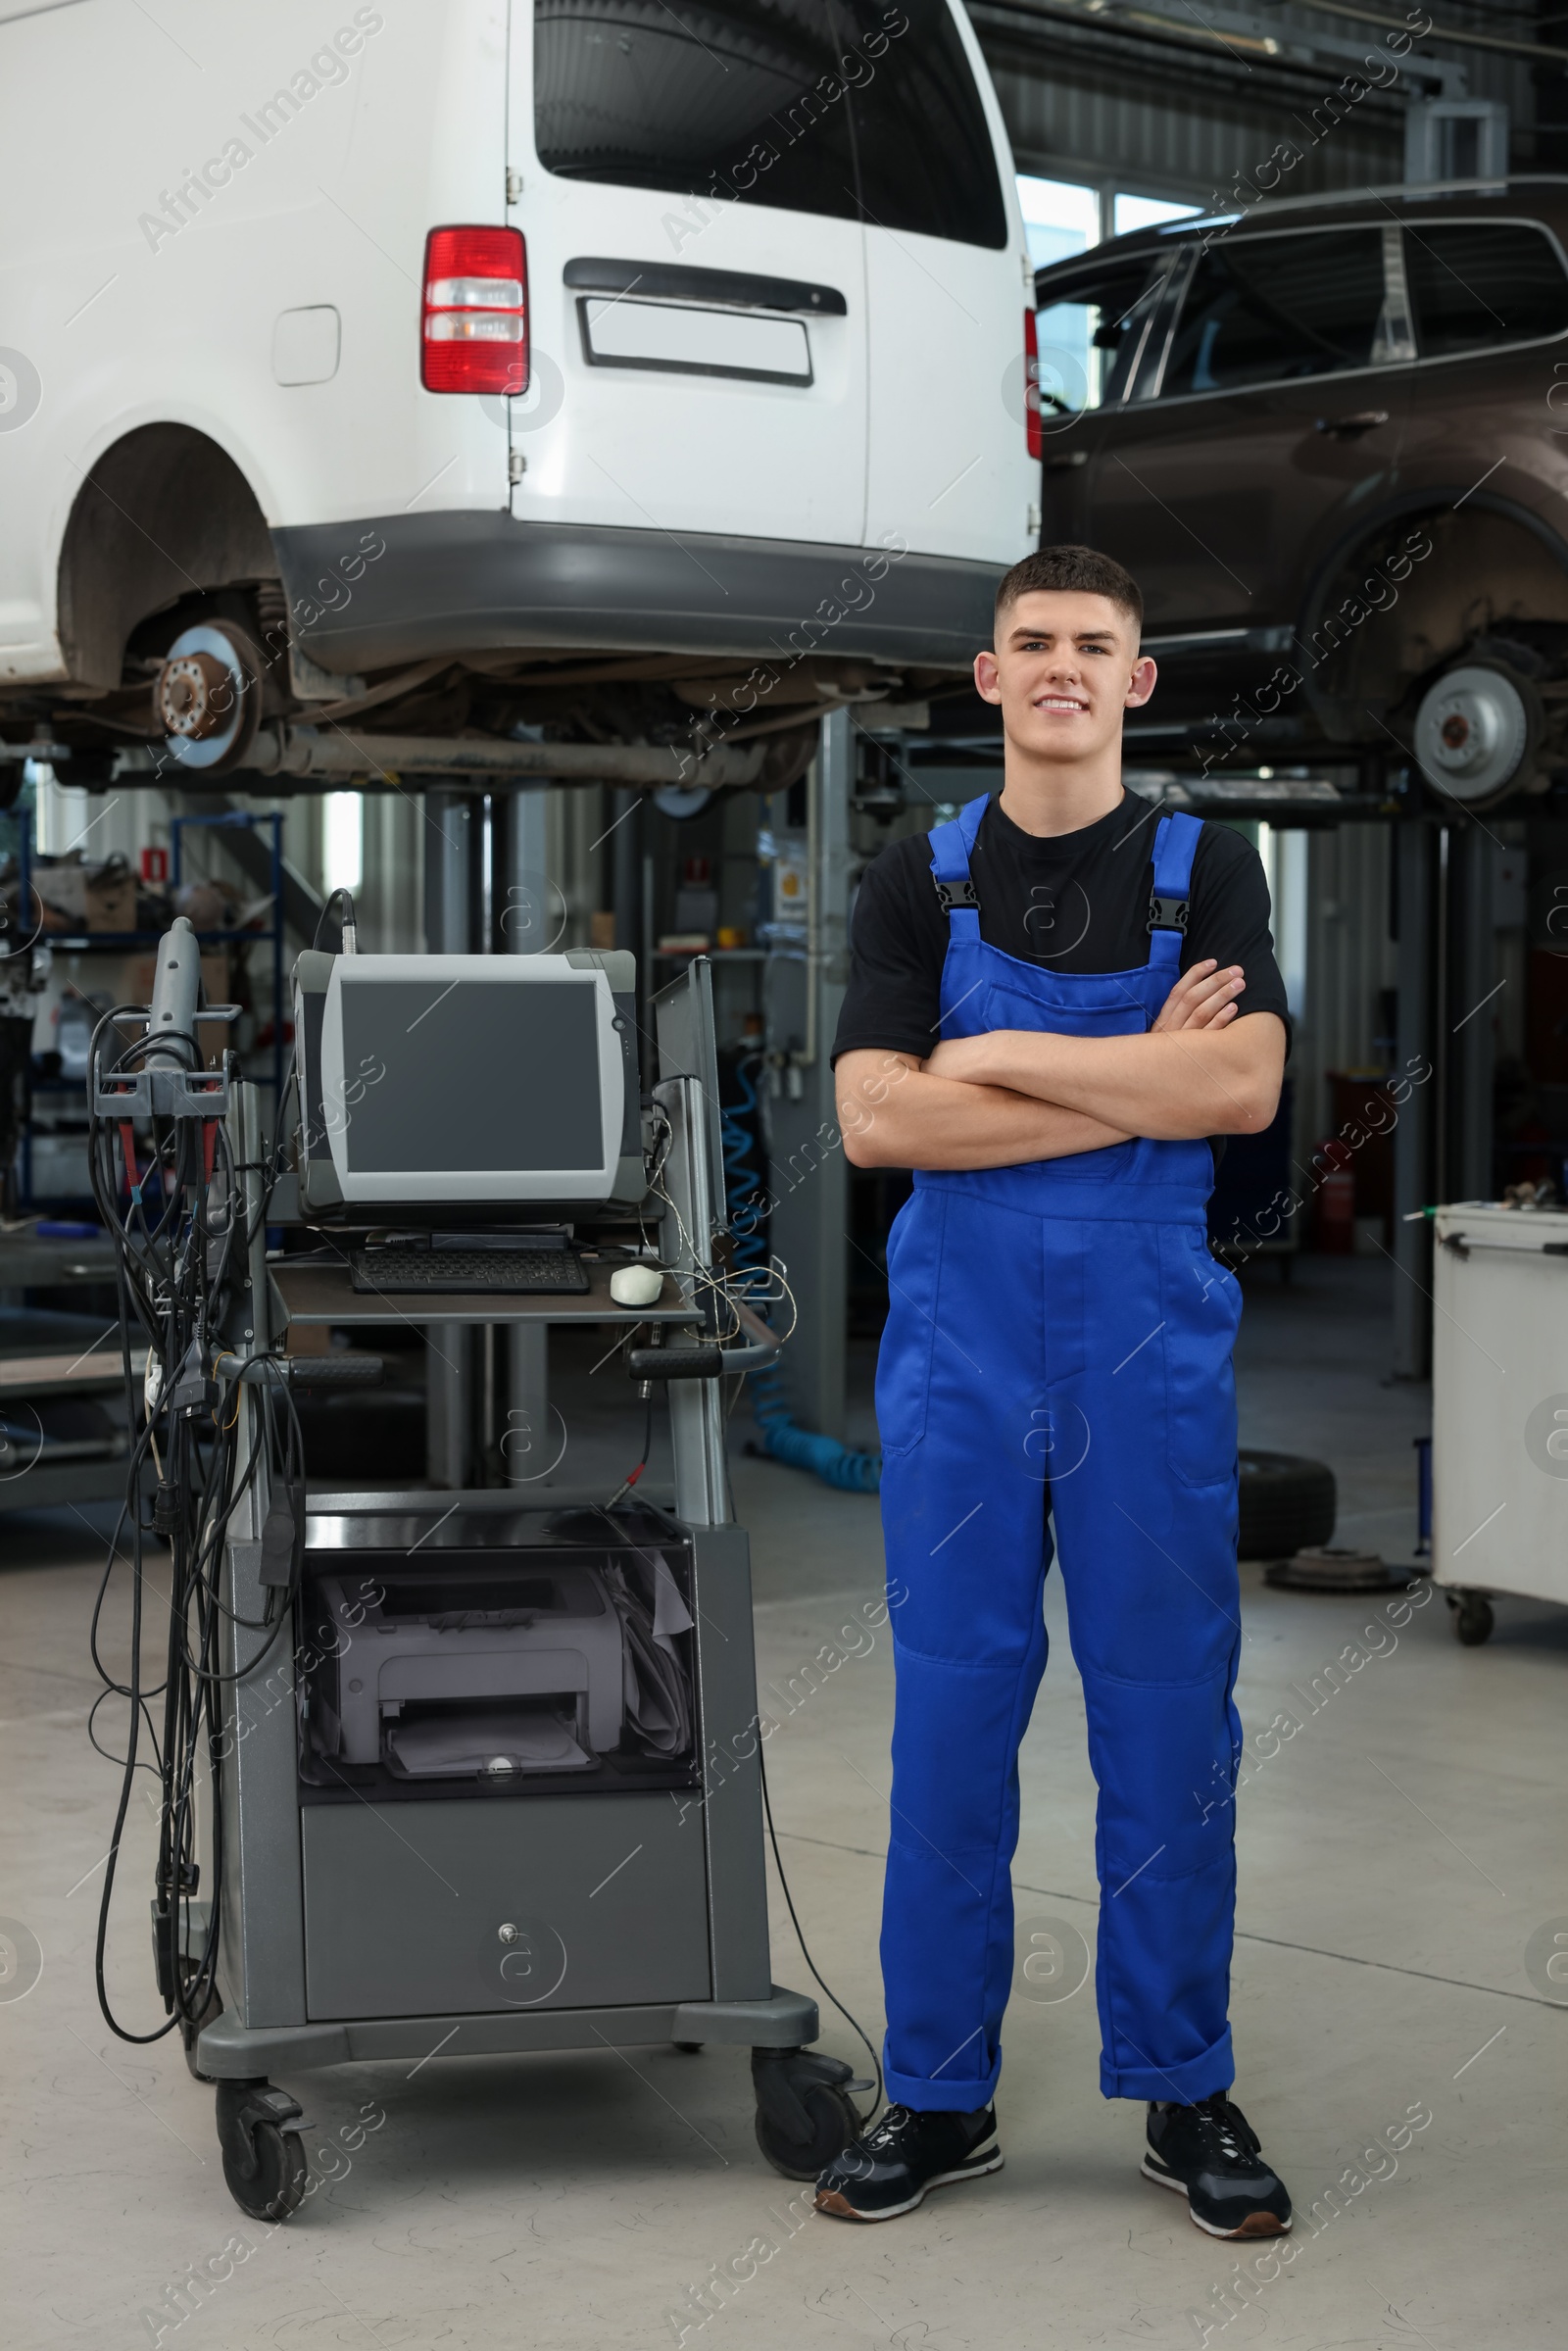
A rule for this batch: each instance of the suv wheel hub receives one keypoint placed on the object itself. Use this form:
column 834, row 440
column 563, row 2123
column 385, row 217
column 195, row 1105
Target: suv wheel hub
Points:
column 1472, row 731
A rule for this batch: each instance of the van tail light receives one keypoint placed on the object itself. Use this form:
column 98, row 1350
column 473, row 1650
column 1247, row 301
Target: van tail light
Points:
column 1034, row 430
column 474, row 327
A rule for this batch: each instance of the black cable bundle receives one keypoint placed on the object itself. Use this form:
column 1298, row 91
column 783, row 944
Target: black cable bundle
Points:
column 182, row 1244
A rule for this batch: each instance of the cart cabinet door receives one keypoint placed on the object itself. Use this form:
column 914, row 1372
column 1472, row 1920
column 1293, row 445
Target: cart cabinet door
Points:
column 474, row 1908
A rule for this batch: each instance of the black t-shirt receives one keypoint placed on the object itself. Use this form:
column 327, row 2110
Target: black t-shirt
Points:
column 1075, row 902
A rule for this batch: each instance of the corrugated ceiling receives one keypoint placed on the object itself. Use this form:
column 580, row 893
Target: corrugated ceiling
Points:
column 1179, row 118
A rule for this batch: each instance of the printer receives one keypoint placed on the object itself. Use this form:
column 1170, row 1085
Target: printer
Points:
column 499, row 1666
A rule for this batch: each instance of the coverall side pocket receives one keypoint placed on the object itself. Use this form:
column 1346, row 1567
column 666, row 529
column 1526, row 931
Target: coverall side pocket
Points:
column 904, row 1359
column 1203, row 1306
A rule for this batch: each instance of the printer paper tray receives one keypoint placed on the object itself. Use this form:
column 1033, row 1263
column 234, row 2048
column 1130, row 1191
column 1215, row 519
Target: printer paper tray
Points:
column 521, row 1739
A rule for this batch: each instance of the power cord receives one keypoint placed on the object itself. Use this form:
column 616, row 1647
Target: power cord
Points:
column 632, row 1475
column 349, row 928
column 778, row 1863
column 654, row 1509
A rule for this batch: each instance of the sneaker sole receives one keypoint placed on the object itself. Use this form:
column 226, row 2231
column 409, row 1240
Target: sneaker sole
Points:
column 1256, row 2223
column 838, row 2207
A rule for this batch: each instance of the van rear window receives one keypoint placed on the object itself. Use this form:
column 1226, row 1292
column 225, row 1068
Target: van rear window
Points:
column 856, row 109
column 923, row 151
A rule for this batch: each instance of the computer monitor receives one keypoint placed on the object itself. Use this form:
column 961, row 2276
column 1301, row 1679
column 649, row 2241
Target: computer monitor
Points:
column 499, row 1082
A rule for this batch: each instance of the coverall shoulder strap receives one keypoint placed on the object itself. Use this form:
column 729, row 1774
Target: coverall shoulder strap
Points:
column 1175, row 839
column 950, row 847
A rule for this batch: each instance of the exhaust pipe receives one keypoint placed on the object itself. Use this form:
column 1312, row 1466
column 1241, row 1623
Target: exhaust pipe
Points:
column 304, row 751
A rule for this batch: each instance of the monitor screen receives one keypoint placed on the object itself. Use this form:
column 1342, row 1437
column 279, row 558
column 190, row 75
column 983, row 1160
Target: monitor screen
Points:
column 478, row 1074
column 469, row 1078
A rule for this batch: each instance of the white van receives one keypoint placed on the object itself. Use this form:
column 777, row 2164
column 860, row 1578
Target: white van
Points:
column 475, row 337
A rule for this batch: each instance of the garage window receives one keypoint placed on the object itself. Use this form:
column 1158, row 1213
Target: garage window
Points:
column 1478, row 284
column 744, row 100
column 1272, row 309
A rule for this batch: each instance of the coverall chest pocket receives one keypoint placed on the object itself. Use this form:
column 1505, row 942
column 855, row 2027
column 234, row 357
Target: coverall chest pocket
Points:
column 1100, row 1008
column 1202, row 1304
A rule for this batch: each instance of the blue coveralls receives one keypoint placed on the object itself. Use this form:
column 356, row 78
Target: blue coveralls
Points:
column 1058, row 1341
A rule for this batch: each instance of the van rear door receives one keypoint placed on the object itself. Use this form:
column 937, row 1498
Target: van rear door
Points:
column 696, row 265
column 949, row 470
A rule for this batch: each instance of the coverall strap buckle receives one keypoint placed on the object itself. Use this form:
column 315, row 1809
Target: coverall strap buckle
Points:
column 1168, row 914
column 956, row 893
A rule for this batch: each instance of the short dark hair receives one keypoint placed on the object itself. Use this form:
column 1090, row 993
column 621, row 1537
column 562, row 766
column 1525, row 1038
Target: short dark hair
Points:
column 1080, row 569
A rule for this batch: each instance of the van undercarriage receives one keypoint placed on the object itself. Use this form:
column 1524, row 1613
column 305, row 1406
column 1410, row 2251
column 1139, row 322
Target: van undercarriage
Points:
column 465, row 643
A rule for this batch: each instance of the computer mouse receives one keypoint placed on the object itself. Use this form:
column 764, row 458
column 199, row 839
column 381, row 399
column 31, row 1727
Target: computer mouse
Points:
column 636, row 1285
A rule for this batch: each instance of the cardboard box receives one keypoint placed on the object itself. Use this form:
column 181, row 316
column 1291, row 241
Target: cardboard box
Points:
column 61, row 894
column 110, row 899
column 78, row 896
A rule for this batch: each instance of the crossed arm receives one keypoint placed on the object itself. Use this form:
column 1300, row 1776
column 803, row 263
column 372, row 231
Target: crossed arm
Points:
column 1016, row 1094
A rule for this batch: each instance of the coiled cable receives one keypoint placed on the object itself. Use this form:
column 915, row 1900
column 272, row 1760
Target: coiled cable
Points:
column 744, row 1201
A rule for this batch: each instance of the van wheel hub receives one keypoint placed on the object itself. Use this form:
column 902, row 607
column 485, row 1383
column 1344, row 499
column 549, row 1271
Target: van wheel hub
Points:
column 207, row 698
column 195, row 695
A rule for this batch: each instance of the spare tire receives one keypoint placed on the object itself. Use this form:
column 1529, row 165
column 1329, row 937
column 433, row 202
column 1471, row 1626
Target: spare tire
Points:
column 1287, row 1505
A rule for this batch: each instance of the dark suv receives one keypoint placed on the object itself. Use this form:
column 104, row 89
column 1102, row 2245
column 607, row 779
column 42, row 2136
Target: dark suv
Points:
column 1329, row 437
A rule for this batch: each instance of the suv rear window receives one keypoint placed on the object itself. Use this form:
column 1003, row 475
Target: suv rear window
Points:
column 1480, row 283
column 1269, row 310
column 851, row 107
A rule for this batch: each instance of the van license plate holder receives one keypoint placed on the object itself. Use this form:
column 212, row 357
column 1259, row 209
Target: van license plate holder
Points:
column 669, row 338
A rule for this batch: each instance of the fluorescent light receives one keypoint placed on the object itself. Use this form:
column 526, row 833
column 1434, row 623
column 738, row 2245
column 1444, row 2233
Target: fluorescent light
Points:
column 343, row 840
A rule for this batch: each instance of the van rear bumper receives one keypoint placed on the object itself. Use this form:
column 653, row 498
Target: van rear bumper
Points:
column 462, row 582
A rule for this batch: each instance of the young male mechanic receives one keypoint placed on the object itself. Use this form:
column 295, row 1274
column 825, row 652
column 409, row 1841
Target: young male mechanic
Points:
column 1055, row 1003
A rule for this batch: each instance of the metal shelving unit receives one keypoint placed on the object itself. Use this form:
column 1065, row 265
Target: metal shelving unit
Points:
column 87, row 941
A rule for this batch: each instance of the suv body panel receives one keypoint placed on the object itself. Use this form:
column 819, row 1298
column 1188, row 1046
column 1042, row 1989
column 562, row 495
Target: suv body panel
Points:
column 1244, row 520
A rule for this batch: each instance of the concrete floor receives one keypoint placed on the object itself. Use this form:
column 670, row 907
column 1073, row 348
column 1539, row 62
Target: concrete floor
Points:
column 1396, row 1855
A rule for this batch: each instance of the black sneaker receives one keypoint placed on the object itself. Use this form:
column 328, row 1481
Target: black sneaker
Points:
column 888, row 2169
column 1210, row 2152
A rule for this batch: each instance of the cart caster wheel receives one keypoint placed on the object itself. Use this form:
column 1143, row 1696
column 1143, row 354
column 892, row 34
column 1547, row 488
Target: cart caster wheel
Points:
column 689, row 2048
column 804, row 2116
column 192, row 2027
column 1473, row 1620
column 263, row 2160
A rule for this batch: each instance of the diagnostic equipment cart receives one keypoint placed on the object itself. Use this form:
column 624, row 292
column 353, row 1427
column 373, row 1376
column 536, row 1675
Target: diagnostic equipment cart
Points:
column 487, row 1767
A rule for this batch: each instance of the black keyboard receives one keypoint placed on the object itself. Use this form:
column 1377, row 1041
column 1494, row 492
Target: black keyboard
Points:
column 501, row 1271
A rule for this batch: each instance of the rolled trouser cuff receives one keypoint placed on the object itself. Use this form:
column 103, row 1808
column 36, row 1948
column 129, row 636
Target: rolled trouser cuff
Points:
column 942, row 2096
column 1196, row 2078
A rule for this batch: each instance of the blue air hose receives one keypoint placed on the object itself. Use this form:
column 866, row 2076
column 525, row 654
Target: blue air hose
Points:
column 836, row 1465
column 741, row 1203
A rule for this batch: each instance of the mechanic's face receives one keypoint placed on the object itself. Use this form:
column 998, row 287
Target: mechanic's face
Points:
column 1066, row 667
